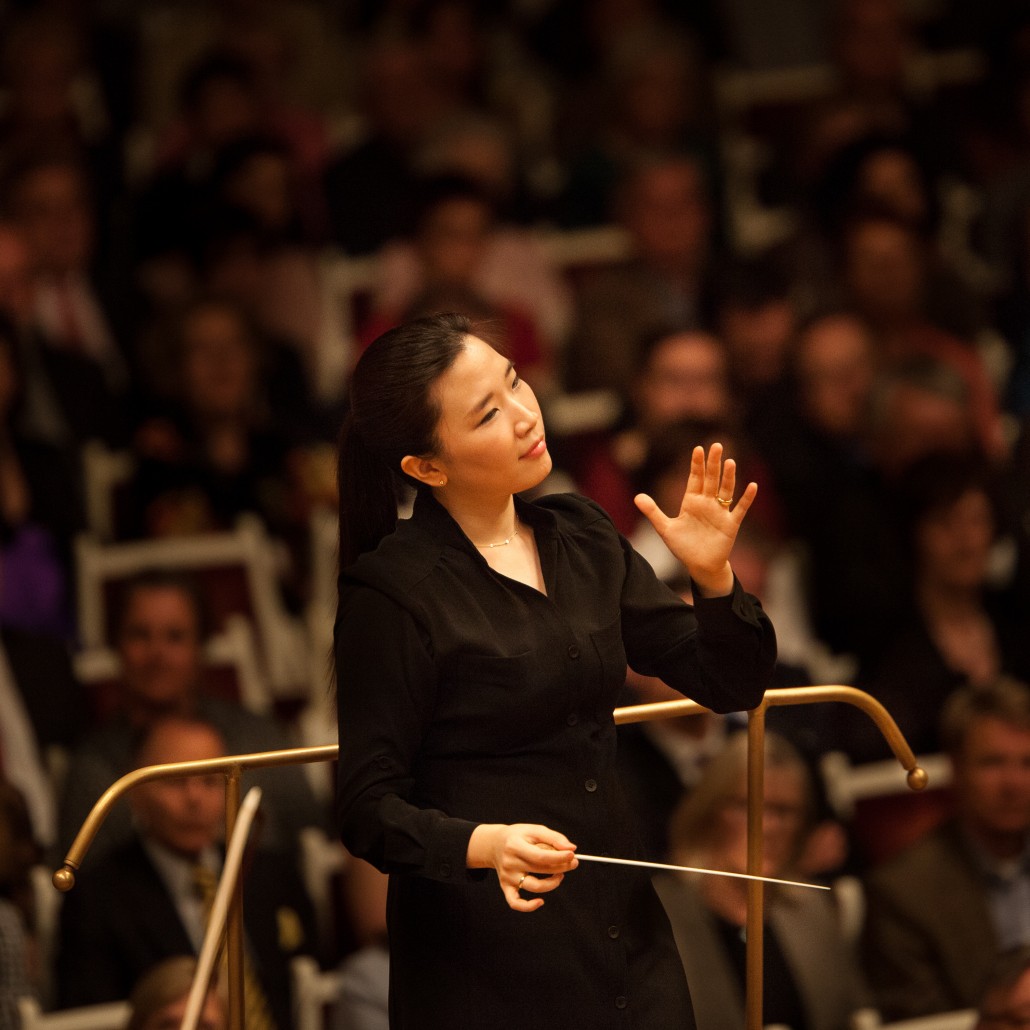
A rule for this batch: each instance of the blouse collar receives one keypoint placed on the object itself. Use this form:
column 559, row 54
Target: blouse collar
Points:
column 430, row 515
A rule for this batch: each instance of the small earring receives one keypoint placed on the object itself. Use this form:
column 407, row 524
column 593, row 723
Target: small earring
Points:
column 443, row 482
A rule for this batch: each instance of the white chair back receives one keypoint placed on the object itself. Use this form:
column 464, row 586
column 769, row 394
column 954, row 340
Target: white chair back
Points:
column 111, row 1015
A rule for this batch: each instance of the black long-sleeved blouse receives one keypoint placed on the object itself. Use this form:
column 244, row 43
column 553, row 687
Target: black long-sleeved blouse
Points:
column 467, row 697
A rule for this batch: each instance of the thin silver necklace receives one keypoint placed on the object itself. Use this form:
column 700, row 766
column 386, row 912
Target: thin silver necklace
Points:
column 501, row 543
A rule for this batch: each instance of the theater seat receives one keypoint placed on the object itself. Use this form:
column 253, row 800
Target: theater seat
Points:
column 314, row 993
column 112, row 1015
column 238, row 573
column 884, row 813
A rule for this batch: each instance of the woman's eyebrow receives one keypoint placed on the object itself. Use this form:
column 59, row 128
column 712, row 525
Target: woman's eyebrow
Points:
column 486, row 400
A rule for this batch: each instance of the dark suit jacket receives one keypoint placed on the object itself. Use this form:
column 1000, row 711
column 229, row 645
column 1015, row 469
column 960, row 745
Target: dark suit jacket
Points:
column 929, row 941
column 120, row 920
column 825, row 972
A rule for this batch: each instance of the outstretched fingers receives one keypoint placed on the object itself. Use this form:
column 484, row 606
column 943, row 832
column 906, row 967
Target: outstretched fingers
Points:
column 728, row 483
column 713, row 470
column 696, row 479
column 740, row 509
column 648, row 507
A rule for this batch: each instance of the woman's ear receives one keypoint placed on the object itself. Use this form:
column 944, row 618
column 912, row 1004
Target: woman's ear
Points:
column 425, row 470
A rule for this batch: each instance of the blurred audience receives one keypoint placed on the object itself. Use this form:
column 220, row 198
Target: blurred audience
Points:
column 939, row 914
column 1005, row 1004
column 654, row 97
column 676, row 376
column 664, row 204
column 149, row 899
column 21, row 971
column 811, row 979
column 884, row 269
column 67, row 317
column 399, row 107
column 827, row 271
column 160, row 631
column 160, row 996
column 960, row 628
column 513, row 270
column 216, row 451
column 451, row 243
column 42, row 710
column 363, row 1001
column 41, row 510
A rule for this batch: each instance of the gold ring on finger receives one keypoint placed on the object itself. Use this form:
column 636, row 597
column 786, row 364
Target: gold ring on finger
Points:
column 723, row 502
column 522, row 880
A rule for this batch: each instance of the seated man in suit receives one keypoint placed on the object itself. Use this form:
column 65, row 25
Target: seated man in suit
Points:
column 939, row 914
column 148, row 899
column 160, row 633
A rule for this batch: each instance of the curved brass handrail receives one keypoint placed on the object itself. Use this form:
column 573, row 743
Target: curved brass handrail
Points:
column 755, row 926
column 64, row 878
column 231, row 766
column 917, row 778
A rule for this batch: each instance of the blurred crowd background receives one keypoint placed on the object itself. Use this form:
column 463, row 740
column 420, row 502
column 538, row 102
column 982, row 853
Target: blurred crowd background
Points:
column 800, row 228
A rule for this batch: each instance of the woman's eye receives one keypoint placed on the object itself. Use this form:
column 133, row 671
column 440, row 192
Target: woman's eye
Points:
column 488, row 416
column 516, row 382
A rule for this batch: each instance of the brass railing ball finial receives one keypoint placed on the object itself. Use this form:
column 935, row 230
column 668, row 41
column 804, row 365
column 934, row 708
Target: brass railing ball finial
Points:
column 917, row 778
column 64, row 879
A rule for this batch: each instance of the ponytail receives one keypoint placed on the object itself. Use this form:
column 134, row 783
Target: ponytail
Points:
column 393, row 413
column 368, row 496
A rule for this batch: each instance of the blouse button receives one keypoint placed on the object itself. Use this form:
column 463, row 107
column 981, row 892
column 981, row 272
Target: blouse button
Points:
column 591, row 785
column 571, row 719
column 384, row 762
column 445, row 870
column 620, row 1002
column 613, row 932
column 573, row 651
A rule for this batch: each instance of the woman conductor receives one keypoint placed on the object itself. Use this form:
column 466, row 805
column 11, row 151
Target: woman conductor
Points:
column 480, row 646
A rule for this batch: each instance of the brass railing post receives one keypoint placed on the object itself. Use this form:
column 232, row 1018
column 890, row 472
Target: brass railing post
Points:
column 234, row 921
column 755, row 924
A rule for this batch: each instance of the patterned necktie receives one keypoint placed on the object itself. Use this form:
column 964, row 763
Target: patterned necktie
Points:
column 257, row 1015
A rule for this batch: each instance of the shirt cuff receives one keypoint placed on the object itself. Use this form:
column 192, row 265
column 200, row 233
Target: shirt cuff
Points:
column 447, row 857
column 717, row 614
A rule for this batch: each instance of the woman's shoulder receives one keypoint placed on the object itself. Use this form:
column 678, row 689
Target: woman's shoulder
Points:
column 402, row 560
column 574, row 510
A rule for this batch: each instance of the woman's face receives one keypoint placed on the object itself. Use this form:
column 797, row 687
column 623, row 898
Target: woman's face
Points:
column 490, row 430
column 954, row 543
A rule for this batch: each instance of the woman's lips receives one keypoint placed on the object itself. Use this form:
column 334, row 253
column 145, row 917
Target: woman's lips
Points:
column 537, row 449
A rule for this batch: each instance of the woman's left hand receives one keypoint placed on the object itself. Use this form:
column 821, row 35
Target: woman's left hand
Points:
column 702, row 535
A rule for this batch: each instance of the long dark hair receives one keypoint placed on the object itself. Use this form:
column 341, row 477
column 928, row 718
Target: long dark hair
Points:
column 392, row 414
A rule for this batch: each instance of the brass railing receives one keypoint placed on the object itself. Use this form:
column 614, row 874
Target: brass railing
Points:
column 233, row 766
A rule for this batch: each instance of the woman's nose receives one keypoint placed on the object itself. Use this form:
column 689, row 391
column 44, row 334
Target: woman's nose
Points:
column 526, row 418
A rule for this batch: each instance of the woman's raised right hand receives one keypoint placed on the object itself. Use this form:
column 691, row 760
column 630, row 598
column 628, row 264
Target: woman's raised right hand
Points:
column 525, row 856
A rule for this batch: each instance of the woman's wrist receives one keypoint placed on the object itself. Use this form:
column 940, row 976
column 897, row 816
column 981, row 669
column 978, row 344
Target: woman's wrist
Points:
column 482, row 846
column 714, row 584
